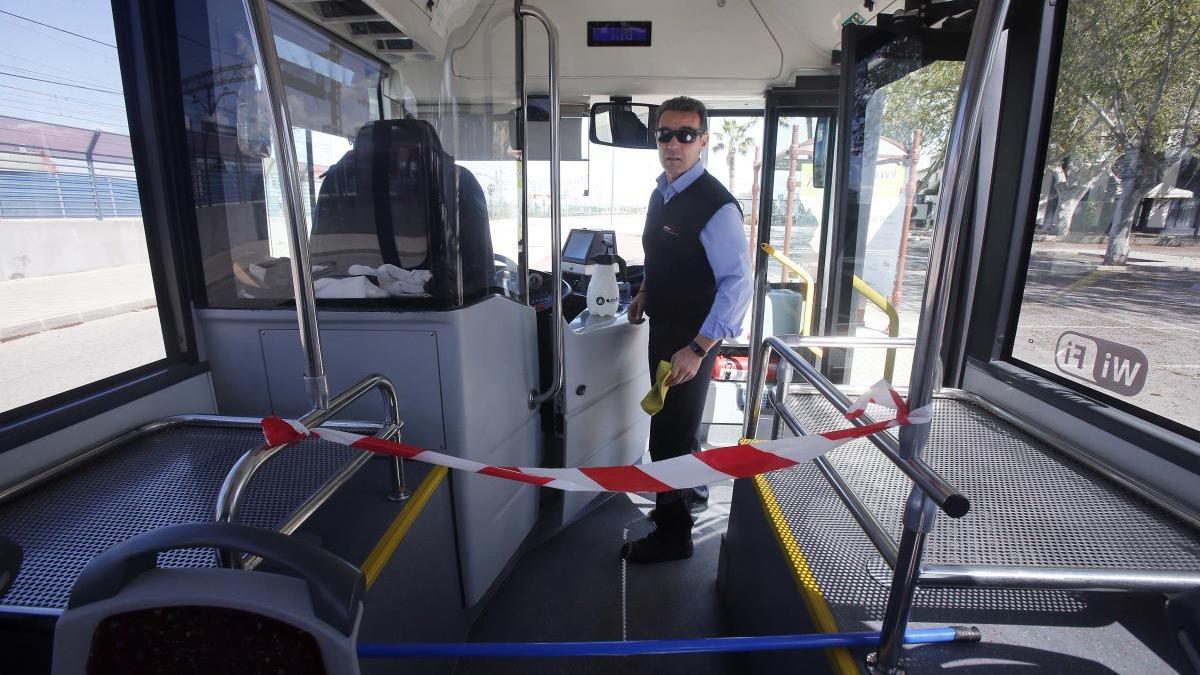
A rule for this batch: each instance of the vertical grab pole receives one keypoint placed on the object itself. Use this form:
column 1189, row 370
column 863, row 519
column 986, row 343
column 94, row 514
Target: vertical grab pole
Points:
column 758, row 350
column 523, row 173
column 759, row 355
column 535, row 398
column 963, row 148
column 400, row 491
column 783, row 380
column 263, row 39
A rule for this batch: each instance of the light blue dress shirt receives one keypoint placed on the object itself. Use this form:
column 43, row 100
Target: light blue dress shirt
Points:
column 724, row 241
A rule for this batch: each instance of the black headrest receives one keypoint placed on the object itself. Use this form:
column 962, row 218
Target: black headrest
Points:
column 418, row 209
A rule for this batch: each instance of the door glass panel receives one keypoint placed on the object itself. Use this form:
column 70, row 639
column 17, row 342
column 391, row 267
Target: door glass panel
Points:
column 1111, row 301
column 798, row 203
column 77, row 301
column 901, row 111
column 431, row 195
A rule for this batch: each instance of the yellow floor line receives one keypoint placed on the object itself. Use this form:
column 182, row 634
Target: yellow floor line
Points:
column 395, row 533
column 818, row 609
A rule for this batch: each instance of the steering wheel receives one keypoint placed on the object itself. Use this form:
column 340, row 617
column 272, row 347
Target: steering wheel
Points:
column 506, row 274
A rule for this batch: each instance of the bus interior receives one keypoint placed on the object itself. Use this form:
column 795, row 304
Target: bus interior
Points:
column 382, row 217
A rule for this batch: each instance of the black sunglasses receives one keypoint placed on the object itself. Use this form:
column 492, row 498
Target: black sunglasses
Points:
column 683, row 134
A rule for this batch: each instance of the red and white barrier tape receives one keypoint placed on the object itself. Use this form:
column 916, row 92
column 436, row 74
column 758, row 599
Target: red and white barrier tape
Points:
column 700, row 468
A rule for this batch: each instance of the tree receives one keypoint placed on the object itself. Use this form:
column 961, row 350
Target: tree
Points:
column 1076, row 159
column 1128, row 84
column 923, row 99
column 734, row 138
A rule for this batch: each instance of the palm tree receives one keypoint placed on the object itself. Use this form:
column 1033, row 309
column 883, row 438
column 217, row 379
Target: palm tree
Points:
column 735, row 140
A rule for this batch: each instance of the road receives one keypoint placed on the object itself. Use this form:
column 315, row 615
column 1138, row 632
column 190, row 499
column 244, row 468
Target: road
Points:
column 53, row 361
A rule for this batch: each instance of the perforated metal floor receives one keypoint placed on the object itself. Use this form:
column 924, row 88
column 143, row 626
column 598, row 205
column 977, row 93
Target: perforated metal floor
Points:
column 163, row 478
column 1029, row 506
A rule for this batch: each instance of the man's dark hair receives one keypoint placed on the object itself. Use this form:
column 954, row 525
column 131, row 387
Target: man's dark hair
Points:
column 686, row 104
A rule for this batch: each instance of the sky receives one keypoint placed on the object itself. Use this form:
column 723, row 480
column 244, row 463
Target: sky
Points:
column 58, row 64
column 65, row 71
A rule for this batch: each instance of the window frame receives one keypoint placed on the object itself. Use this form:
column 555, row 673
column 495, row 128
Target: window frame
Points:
column 145, row 61
column 1036, row 35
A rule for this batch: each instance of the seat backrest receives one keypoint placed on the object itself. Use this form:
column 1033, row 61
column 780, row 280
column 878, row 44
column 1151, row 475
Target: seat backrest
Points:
column 125, row 615
column 398, row 198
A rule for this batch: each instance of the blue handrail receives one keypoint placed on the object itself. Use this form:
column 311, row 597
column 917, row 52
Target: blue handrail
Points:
column 646, row 647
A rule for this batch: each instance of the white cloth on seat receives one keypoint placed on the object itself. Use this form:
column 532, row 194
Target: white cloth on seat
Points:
column 348, row 287
column 396, row 281
column 390, row 282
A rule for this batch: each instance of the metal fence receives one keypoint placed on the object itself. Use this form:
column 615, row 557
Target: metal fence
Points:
column 29, row 189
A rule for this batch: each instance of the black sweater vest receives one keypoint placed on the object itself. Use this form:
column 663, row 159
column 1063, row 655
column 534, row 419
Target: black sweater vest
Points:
column 680, row 285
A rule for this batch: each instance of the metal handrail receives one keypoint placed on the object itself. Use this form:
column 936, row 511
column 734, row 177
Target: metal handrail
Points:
column 845, row 341
column 262, row 37
column 233, row 490
column 955, row 191
column 1063, row 578
column 953, row 575
column 858, row 509
column 937, row 488
column 556, row 321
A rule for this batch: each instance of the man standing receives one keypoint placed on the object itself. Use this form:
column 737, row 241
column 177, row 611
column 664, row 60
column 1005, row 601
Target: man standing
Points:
column 696, row 291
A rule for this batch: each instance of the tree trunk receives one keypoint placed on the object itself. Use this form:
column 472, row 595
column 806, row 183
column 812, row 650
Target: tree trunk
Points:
column 1135, row 173
column 1068, row 202
column 1047, row 217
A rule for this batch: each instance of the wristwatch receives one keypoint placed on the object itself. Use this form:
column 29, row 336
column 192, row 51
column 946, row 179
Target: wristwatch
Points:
column 700, row 351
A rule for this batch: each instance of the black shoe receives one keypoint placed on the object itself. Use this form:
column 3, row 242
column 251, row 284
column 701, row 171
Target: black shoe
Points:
column 655, row 548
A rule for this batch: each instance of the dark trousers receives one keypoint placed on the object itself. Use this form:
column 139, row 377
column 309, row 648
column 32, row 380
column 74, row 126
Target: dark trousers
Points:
column 674, row 430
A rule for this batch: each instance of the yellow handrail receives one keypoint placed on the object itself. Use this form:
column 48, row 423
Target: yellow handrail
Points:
column 889, row 363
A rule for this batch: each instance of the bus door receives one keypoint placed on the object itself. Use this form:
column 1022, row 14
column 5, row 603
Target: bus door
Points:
column 788, row 229
column 899, row 84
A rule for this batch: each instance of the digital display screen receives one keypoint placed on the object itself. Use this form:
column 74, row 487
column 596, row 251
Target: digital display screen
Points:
column 618, row 33
column 578, row 245
column 539, row 108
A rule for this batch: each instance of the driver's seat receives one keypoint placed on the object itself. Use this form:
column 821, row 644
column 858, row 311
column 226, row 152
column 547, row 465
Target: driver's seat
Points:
column 398, row 198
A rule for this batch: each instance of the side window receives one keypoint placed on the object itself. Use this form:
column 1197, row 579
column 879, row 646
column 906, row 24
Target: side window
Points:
column 1111, row 302
column 77, row 301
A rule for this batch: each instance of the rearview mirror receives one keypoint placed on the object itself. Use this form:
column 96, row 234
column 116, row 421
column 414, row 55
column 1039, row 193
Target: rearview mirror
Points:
column 623, row 125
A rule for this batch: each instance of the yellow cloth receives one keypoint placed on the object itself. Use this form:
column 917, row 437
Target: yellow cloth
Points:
column 653, row 401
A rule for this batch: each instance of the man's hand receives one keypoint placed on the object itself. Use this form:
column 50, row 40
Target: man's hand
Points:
column 637, row 307
column 684, row 365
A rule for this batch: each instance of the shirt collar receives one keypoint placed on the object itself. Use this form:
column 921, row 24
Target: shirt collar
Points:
column 680, row 184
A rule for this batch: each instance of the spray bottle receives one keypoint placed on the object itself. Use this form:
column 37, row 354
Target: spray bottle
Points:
column 603, row 294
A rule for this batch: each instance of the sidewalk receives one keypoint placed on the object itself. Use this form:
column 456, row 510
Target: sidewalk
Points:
column 1168, row 258
column 29, row 306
